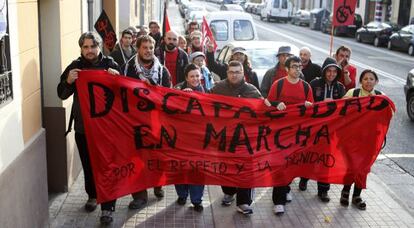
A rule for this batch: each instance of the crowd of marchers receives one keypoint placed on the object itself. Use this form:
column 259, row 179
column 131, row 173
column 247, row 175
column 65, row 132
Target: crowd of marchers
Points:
column 184, row 63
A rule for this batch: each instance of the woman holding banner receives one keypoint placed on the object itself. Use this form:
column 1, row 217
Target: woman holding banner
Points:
column 192, row 74
column 368, row 81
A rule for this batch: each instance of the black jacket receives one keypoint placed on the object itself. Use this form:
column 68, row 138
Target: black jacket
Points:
column 182, row 61
column 64, row 90
column 184, row 85
column 163, row 80
column 121, row 60
column 221, row 70
column 311, row 71
column 320, row 89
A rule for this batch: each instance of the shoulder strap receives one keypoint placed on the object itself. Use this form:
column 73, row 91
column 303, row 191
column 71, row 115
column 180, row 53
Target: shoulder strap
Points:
column 279, row 88
column 306, row 89
column 70, row 121
column 356, row 92
column 377, row 92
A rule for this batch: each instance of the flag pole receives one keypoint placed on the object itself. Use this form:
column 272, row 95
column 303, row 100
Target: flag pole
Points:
column 332, row 28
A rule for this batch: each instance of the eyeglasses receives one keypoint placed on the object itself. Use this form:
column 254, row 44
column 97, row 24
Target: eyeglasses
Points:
column 296, row 67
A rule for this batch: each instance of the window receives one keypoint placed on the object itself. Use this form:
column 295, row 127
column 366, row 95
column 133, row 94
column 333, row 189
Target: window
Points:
column 243, row 30
column 276, row 4
column 6, row 85
column 220, row 30
column 284, row 4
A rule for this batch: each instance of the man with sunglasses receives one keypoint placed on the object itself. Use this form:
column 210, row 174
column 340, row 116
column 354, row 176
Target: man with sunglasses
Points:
column 288, row 91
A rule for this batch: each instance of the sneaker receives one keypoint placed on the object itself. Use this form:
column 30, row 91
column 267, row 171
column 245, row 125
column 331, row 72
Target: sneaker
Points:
column 106, row 217
column 90, row 205
column 158, row 192
column 279, row 209
column 245, row 209
column 303, row 184
column 323, row 196
column 137, row 204
column 289, row 197
column 227, row 200
column 181, row 201
column 198, row 207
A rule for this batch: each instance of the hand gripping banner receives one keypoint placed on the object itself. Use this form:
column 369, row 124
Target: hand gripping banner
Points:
column 140, row 136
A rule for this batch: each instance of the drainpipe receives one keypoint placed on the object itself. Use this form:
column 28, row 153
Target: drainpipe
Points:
column 90, row 15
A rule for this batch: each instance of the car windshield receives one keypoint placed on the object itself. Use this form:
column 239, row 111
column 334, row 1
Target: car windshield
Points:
column 219, row 28
column 243, row 30
column 263, row 58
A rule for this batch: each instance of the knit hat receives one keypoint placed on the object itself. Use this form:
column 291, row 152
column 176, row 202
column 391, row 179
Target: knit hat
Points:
column 238, row 50
column 195, row 33
column 329, row 62
column 196, row 54
column 284, row 50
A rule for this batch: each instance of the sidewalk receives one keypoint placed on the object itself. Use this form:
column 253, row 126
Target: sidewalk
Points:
column 385, row 208
column 66, row 210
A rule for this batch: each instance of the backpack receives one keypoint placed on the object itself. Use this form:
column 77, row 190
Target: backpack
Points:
column 280, row 85
column 356, row 92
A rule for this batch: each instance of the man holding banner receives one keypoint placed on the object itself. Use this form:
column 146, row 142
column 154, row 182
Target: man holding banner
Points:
column 286, row 91
column 235, row 86
column 91, row 58
column 146, row 67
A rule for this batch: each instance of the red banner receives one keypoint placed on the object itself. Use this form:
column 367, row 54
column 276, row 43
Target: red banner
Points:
column 140, row 136
column 343, row 12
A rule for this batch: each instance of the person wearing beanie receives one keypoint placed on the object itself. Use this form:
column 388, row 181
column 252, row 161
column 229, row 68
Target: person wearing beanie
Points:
column 195, row 44
column 198, row 58
column 325, row 88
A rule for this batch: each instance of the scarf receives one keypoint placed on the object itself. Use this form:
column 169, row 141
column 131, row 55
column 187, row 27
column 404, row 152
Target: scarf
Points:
column 153, row 74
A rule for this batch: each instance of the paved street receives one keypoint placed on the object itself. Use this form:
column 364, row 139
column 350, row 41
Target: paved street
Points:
column 390, row 193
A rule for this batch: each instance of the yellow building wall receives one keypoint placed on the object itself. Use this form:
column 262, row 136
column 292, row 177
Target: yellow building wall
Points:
column 28, row 55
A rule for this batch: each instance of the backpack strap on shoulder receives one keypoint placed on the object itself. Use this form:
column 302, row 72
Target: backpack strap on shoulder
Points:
column 356, row 92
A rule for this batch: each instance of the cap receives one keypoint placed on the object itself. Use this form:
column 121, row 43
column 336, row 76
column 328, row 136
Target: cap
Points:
column 195, row 55
column 284, row 50
column 238, row 50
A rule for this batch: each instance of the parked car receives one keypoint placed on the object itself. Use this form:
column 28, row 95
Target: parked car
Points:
column 280, row 10
column 228, row 26
column 301, row 17
column 182, row 7
column 375, row 32
column 248, row 7
column 409, row 94
column 346, row 30
column 403, row 40
column 317, row 15
column 193, row 7
column 262, row 54
column 231, row 7
column 195, row 16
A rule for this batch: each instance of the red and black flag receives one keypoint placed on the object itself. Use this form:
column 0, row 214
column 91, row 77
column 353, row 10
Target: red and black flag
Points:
column 104, row 27
column 165, row 22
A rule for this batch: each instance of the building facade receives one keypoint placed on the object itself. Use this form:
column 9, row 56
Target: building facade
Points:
column 38, row 41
